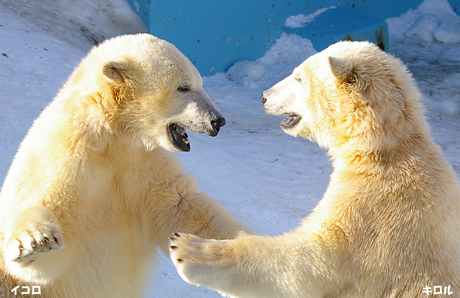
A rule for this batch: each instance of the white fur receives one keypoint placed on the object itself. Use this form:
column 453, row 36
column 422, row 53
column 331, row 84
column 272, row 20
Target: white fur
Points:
column 93, row 192
column 388, row 224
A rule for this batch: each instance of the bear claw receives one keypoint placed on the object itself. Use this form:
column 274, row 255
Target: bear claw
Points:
column 25, row 245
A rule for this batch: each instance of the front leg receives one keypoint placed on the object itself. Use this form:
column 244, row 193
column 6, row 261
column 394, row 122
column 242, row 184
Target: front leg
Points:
column 235, row 268
column 34, row 232
column 182, row 208
column 291, row 265
column 197, row 260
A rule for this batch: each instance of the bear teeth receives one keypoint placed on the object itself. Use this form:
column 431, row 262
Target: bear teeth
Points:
column 185, row 139
column 179, row 137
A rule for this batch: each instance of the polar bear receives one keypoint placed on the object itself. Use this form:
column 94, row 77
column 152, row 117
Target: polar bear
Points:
column 388, row 224
column 94, row 190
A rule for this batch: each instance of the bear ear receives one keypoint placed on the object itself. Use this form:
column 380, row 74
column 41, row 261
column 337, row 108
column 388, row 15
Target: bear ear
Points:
column 115, row 71
column 342, row 69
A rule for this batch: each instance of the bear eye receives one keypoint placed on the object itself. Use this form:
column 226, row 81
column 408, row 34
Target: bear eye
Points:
column 183, row 88
column 298, row 79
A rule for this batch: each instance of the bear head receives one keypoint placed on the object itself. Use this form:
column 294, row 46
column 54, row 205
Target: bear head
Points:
column 142, row 88
column 350, row 95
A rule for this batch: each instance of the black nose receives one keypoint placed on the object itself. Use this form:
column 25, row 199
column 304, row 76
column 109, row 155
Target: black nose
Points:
column 263, row 99
column 217, row 124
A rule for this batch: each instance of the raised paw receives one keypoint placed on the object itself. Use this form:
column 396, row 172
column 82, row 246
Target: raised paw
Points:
column 195, row 258
column 25, row 244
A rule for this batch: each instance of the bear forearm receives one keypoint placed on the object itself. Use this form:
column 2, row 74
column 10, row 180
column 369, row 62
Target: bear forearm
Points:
column 199, row 215
column 251, row 266
column 223, row 225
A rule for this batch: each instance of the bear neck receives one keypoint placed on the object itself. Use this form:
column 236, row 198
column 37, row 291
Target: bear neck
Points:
column 387, row 157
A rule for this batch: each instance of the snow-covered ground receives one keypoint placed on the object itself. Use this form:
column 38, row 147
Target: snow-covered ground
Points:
column 268, row 179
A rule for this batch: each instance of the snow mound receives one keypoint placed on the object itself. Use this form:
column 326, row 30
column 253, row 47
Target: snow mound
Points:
column 449, row 30
column 445, row 107
column 81, row 23
column 433, row 20
column 289, row 49
column 422, row 28
column 246, row 71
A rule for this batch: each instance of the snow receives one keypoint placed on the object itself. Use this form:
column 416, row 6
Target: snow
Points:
column 445, row 107
column 427, row 39
column 268, row 179
column 80, row 23
column 301, row 20
column 246, row 71
column 449, row 30
column 426, row 29
column 420, row 23
column 423, row 27
column 287, row 52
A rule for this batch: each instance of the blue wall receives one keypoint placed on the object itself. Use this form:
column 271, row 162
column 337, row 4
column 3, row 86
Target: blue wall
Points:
column 214, row 34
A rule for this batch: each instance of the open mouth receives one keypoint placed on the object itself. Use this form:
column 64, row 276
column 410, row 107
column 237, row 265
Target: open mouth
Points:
column 178, row 137
column 290, row 121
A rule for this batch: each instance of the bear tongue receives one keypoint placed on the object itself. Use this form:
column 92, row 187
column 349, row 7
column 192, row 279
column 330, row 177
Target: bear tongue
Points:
column 179, row 137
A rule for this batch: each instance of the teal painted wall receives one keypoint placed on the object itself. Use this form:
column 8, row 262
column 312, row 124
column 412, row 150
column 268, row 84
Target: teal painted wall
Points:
column 214, row 34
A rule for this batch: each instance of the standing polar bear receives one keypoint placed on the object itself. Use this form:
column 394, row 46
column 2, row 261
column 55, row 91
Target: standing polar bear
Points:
column 93, row 190
column 388, row 224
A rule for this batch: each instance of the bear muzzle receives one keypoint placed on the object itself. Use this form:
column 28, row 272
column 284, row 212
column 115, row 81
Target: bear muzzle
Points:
column 217, row 124
column 179, row 138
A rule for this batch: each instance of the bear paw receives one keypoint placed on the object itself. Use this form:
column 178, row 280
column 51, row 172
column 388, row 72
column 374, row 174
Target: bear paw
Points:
column 34, row 238
column 194, row 258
